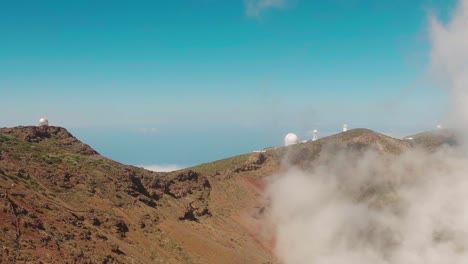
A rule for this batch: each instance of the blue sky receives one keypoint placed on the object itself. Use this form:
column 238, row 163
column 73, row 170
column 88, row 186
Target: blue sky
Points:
column 184, row 82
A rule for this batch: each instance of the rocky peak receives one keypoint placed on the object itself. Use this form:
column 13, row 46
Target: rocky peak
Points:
column 37, row 133
column 49, row 134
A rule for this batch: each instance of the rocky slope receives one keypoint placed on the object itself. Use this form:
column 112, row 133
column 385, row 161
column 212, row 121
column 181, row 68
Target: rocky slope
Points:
column 62, row 202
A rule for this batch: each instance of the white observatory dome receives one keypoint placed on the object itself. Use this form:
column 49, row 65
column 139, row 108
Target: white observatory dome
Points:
column 43, row 121
column 290, row 139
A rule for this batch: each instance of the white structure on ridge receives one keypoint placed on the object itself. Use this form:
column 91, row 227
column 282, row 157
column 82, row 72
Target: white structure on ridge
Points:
column 314, row 135
column 43, row 121
column 439, row 126
column 290, row 139
column 345, row 127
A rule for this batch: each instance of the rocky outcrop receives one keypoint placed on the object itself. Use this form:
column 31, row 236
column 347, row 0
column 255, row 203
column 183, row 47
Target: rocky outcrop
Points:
column 186, row 183
column 192, row 188
column 195, row 209
column 38, row 134
column 254, row 162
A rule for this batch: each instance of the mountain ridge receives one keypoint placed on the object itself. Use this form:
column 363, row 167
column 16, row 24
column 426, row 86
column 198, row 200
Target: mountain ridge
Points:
column 62, row 202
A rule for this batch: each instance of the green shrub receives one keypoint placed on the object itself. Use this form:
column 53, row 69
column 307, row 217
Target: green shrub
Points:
column 50, row 159
column 6, row 137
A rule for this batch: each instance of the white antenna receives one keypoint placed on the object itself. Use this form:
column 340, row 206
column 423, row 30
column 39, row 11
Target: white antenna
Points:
column 345, row 127
column 314, row 135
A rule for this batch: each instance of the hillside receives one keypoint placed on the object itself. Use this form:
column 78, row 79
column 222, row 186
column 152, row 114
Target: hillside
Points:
column 62, row 202
column 433, row 139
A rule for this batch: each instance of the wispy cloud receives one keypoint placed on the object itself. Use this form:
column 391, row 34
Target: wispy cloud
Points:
column 152, row 130
column 253, row 8
column 162, row 167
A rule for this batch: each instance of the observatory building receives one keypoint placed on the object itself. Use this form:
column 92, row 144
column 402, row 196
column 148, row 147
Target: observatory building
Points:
column 314, row 135
column 345, row 127
column 43, row 122
column 290, row 139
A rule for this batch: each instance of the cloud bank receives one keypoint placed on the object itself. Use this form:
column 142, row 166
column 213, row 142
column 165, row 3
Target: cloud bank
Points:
column 162, row 167
column 369, row 208
column 365, row 208
column 449, row 60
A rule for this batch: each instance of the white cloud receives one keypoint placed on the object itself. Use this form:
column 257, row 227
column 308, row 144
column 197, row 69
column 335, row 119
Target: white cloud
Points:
column 367, row 208
column 253, row 8
column 449, row 59
column 162, row 167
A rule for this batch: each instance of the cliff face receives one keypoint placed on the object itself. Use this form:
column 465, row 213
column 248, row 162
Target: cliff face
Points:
column 62, row 202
